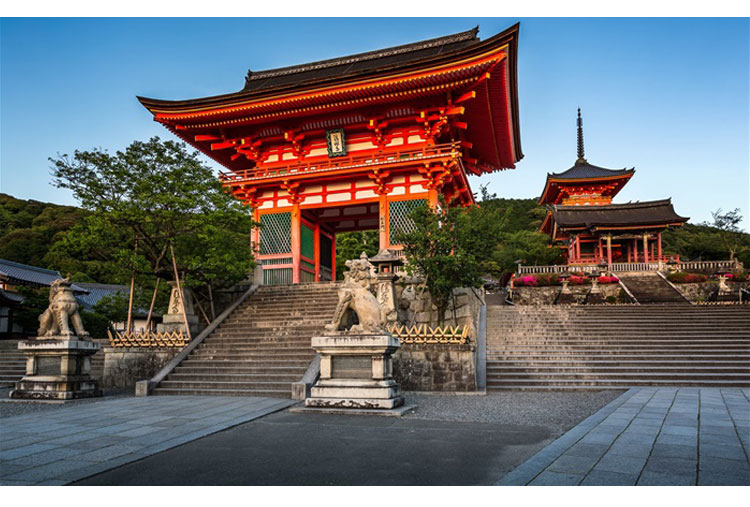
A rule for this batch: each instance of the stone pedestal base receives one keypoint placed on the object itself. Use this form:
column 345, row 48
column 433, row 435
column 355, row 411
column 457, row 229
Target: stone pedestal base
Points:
column 356, row 371
column 172, row 322
column 57, row 368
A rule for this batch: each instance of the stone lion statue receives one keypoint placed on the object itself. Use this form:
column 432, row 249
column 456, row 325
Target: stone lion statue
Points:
column 62, row 305
column 355, row 296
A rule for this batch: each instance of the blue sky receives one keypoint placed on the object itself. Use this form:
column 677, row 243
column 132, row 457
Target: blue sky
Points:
column 669, row 97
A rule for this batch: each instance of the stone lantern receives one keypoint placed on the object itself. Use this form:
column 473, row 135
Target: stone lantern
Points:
column 385, row 263
column 565, row 297
column 723, row 287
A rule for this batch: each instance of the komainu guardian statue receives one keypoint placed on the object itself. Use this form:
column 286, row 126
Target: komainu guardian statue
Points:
column 62, row 306
column 355, row 296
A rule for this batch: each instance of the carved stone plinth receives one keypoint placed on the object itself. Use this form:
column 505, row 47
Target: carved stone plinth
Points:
column 57, row 368
column 356, row 371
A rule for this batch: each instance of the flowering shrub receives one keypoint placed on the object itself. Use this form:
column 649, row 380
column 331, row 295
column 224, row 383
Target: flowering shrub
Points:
column 739, row 277
column 526, row 281
column 683, row 277
column 577, row 280
column 608, row 279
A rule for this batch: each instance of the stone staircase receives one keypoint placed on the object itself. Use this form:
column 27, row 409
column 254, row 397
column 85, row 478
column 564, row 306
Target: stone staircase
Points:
column 261, row 348
column 13, row 362
column 599, row 347
column 649, row 288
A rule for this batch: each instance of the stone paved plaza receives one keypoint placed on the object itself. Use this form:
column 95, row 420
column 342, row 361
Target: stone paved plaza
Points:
column 649, row 436
column 59, row 446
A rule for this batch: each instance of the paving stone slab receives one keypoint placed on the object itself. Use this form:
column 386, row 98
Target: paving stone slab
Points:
column 621, row 464
column 557, row 479
column 665, row 479
column 675, row 451
column 603, row 478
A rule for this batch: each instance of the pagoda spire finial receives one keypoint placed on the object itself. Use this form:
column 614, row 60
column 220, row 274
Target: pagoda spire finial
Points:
column 580, row 137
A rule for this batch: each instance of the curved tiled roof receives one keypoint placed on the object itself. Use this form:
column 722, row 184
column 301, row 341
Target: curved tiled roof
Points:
column 582, row 170
column 613, row 215
column 23, row 274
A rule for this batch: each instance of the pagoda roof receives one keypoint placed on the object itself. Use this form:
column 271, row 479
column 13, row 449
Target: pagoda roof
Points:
column 617, row 216
column 583, row 173
column 583, row 170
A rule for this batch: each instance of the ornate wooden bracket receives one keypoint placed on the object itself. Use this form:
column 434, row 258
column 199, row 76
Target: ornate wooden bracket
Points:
column 381, row 179
column 293, row 189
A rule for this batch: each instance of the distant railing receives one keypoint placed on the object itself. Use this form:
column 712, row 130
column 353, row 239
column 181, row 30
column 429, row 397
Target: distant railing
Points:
column 422, row 333
column 631, row 266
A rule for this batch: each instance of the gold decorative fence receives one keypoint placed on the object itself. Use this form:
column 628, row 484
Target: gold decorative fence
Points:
column 147, row 339
column 422, row 333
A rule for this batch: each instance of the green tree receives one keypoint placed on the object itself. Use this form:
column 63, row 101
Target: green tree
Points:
column 350, row 245
column 157, row 193
column 449, row 247
column 728, row 226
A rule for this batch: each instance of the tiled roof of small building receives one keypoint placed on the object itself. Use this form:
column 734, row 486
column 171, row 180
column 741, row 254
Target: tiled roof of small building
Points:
column 23, row 274
column 96, row 291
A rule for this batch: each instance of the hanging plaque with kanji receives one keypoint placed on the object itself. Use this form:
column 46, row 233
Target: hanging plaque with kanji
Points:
column 336, row 143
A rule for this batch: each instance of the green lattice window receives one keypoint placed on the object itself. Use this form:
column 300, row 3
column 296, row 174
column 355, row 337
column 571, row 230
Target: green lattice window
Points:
column 275, row 233
column 307, row 238
column 399, row 213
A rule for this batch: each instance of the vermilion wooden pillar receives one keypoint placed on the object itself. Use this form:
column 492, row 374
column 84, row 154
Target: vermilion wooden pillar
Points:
column 609, row 250
column 645, row 248
column 578, row 249
column 383, row 218
column 601, row 251
column 333, row 257
column 635, row 250
column 296, row 242
column 658, row 245
column 317, row 251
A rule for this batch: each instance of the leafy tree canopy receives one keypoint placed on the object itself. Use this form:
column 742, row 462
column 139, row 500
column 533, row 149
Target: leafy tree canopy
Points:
column 159, row 194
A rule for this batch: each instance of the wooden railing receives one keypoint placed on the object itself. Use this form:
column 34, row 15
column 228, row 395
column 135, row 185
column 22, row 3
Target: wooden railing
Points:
column 422, row 333
column 631, row 266
column 332, row 164
column 147, row 339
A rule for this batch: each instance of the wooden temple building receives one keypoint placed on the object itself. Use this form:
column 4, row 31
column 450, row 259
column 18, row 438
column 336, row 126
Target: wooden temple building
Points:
column 356, row 142
column 590, row 229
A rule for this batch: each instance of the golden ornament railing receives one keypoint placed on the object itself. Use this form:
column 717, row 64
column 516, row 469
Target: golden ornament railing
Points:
column 422, row 333
column 147, row 339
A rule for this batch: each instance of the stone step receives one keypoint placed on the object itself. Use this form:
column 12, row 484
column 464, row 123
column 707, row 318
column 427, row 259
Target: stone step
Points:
column 240, row 370
column 236, row 377
column 266, row 393
column 270, row 386
column 524, row 369
column 272, row 362
column 614, row 383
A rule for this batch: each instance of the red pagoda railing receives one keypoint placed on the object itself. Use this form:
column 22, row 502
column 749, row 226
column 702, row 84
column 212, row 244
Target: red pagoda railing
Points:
column 340, row 163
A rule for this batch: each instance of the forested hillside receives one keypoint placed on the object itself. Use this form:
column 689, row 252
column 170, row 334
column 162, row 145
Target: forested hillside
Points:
column 29, row 229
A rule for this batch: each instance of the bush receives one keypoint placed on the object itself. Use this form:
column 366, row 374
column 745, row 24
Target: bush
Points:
column 577, row 280
column 683, row 277
column 608, row 279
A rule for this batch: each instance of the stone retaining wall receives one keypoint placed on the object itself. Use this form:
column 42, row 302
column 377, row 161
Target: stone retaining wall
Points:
column 124, row 367
column 699, row 292
column 428, row 367
column 535, row 296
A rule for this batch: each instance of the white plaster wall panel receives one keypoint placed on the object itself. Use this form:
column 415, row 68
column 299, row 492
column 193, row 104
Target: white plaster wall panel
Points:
column 288, row 156
column 284, row 202
column 339, row 197
column 360, row 146
column 331, row 213
column 332, row 187
column 416, row 189
column 348, row 223
column 396, row 141
column 363, row 183
column 398, row 191
column 315, row 189
column 369, row 222
column 282, row 193
column 272, row 158
column 415, row 139
column 318, row 152
column 399, row 179
column 365, row 194
column 265, row 205
column 314, row 199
